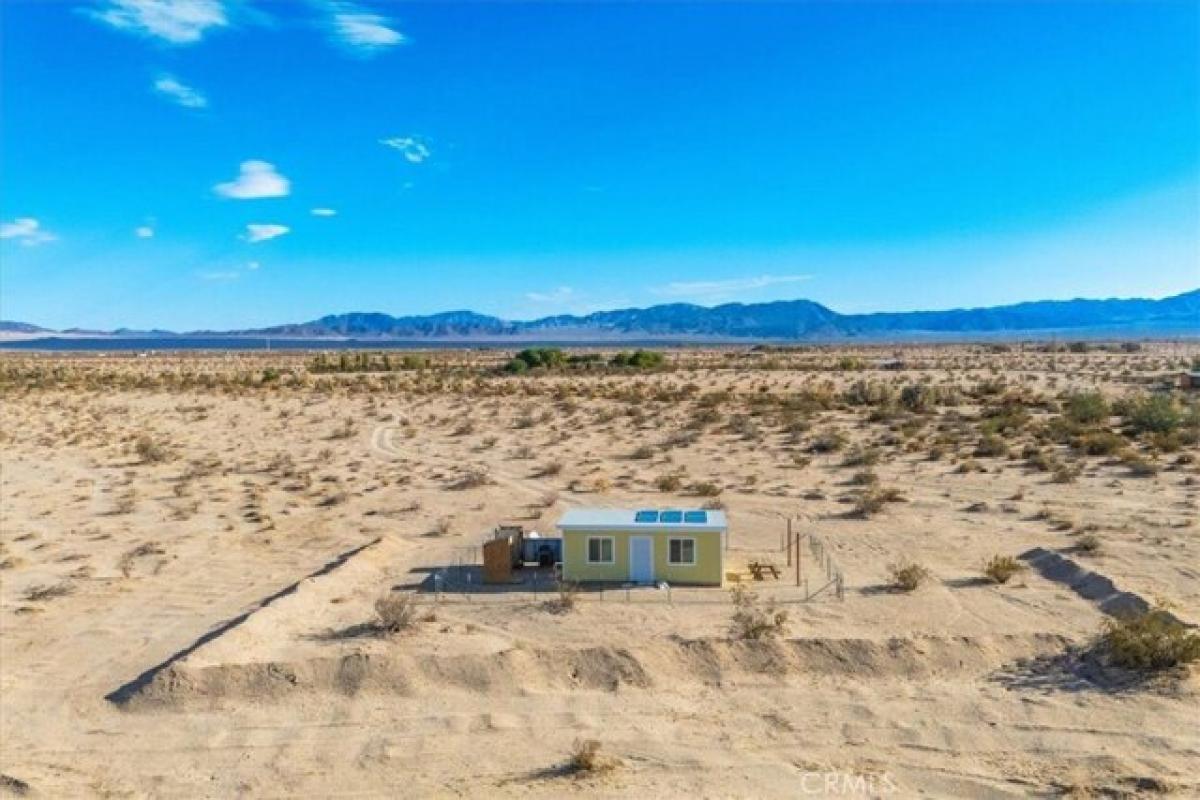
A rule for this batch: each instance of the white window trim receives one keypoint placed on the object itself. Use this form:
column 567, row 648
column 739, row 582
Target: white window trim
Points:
column 695, row 553
column 588, row 549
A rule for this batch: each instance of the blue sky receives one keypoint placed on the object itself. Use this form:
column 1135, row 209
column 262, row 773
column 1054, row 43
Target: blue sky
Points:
column 161, row 160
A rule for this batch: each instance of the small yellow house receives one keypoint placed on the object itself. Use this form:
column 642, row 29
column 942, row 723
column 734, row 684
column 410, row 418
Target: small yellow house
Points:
column 630, row 546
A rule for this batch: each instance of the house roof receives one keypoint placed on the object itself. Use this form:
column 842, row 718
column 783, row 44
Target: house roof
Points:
column 648, row 519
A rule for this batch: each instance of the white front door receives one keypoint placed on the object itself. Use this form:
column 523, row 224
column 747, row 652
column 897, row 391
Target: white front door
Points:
column 641, row 559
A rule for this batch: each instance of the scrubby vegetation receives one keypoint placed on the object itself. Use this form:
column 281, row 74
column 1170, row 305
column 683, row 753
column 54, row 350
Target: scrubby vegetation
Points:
column 395, row 612
column 753, row 619
column 553, row 358
column 1151, row 640
column 907, row 576
column 1001, row 569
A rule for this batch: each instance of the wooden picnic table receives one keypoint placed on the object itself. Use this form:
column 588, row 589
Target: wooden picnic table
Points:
column 759, row 570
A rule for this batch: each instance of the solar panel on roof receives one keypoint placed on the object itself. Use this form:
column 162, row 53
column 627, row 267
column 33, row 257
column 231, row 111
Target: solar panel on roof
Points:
column 671, row 516
column 695, row 516
column 646, row 516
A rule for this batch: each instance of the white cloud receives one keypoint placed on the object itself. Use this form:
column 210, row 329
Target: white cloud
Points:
column 144, row 232
column 362, row 31
column 725, row 288
column 252, row 265
column 169, row 86
column 26, row 230
column 324, row 212
column 174, row 21
column 257, row 179
column 256, row 232
column 558, row 296
column 412, row 148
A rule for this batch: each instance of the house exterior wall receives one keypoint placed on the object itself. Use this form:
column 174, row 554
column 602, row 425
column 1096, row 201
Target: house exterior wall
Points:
column 708, row 569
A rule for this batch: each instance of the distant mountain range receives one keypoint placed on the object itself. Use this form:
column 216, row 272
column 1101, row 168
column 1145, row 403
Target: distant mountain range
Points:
column 783, row 320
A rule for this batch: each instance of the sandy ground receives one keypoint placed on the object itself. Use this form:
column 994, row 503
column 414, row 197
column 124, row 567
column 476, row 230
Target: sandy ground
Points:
column 194, row 618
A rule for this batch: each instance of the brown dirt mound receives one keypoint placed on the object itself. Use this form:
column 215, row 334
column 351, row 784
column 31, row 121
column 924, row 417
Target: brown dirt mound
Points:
column 666, row 663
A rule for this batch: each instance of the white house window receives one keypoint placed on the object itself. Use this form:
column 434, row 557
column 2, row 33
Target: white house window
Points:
column 681, row 551
column 600, row 550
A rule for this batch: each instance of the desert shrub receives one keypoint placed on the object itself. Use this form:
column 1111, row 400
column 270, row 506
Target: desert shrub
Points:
column 639, row 359
column 642, row 453
column 828, row 442
column 871, row 501
column 586, row 757
column 864, row 478
column 550, row 470
column 1151, row 640
column 918, row 397
column 395, row 612
column 1041, row 460
column 861, row 457
column 1000, row 569
column 1086, row 408
column 473, row 479
column 1004, row 419
column 868, row 393
column 1100, row 443
column 1156, row 413
column 1089, row 543
column 991, row 446
column 907, row 576
column 40, row 592
column 754, row 620
column 1064, row 473
column 1141, row 467
column 705, row 489
column 151, row 451
column 536, row 358
column 566, row 599
column 668, row 483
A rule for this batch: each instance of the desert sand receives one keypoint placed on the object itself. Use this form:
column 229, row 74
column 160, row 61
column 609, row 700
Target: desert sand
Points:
column 193, row 544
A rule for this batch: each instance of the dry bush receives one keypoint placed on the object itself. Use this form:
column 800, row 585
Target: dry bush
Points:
column 753, row 620
column 642, row 453
column 1089, row 543
column 567, row 599
column 42, row 592
column 871, row 501
column 1001, row 569
column 550, row 470
column 586, row 758
column 473, row 480
column 127, row 501
column 991, row 446
column 150, row 451
column 861, row 457
column 705, row 489
column 864, row 477
column 828, row 442
column 1149, row 641
column 395, row 612
column 668, row 483
column 1140, row 466
column 907, row 576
